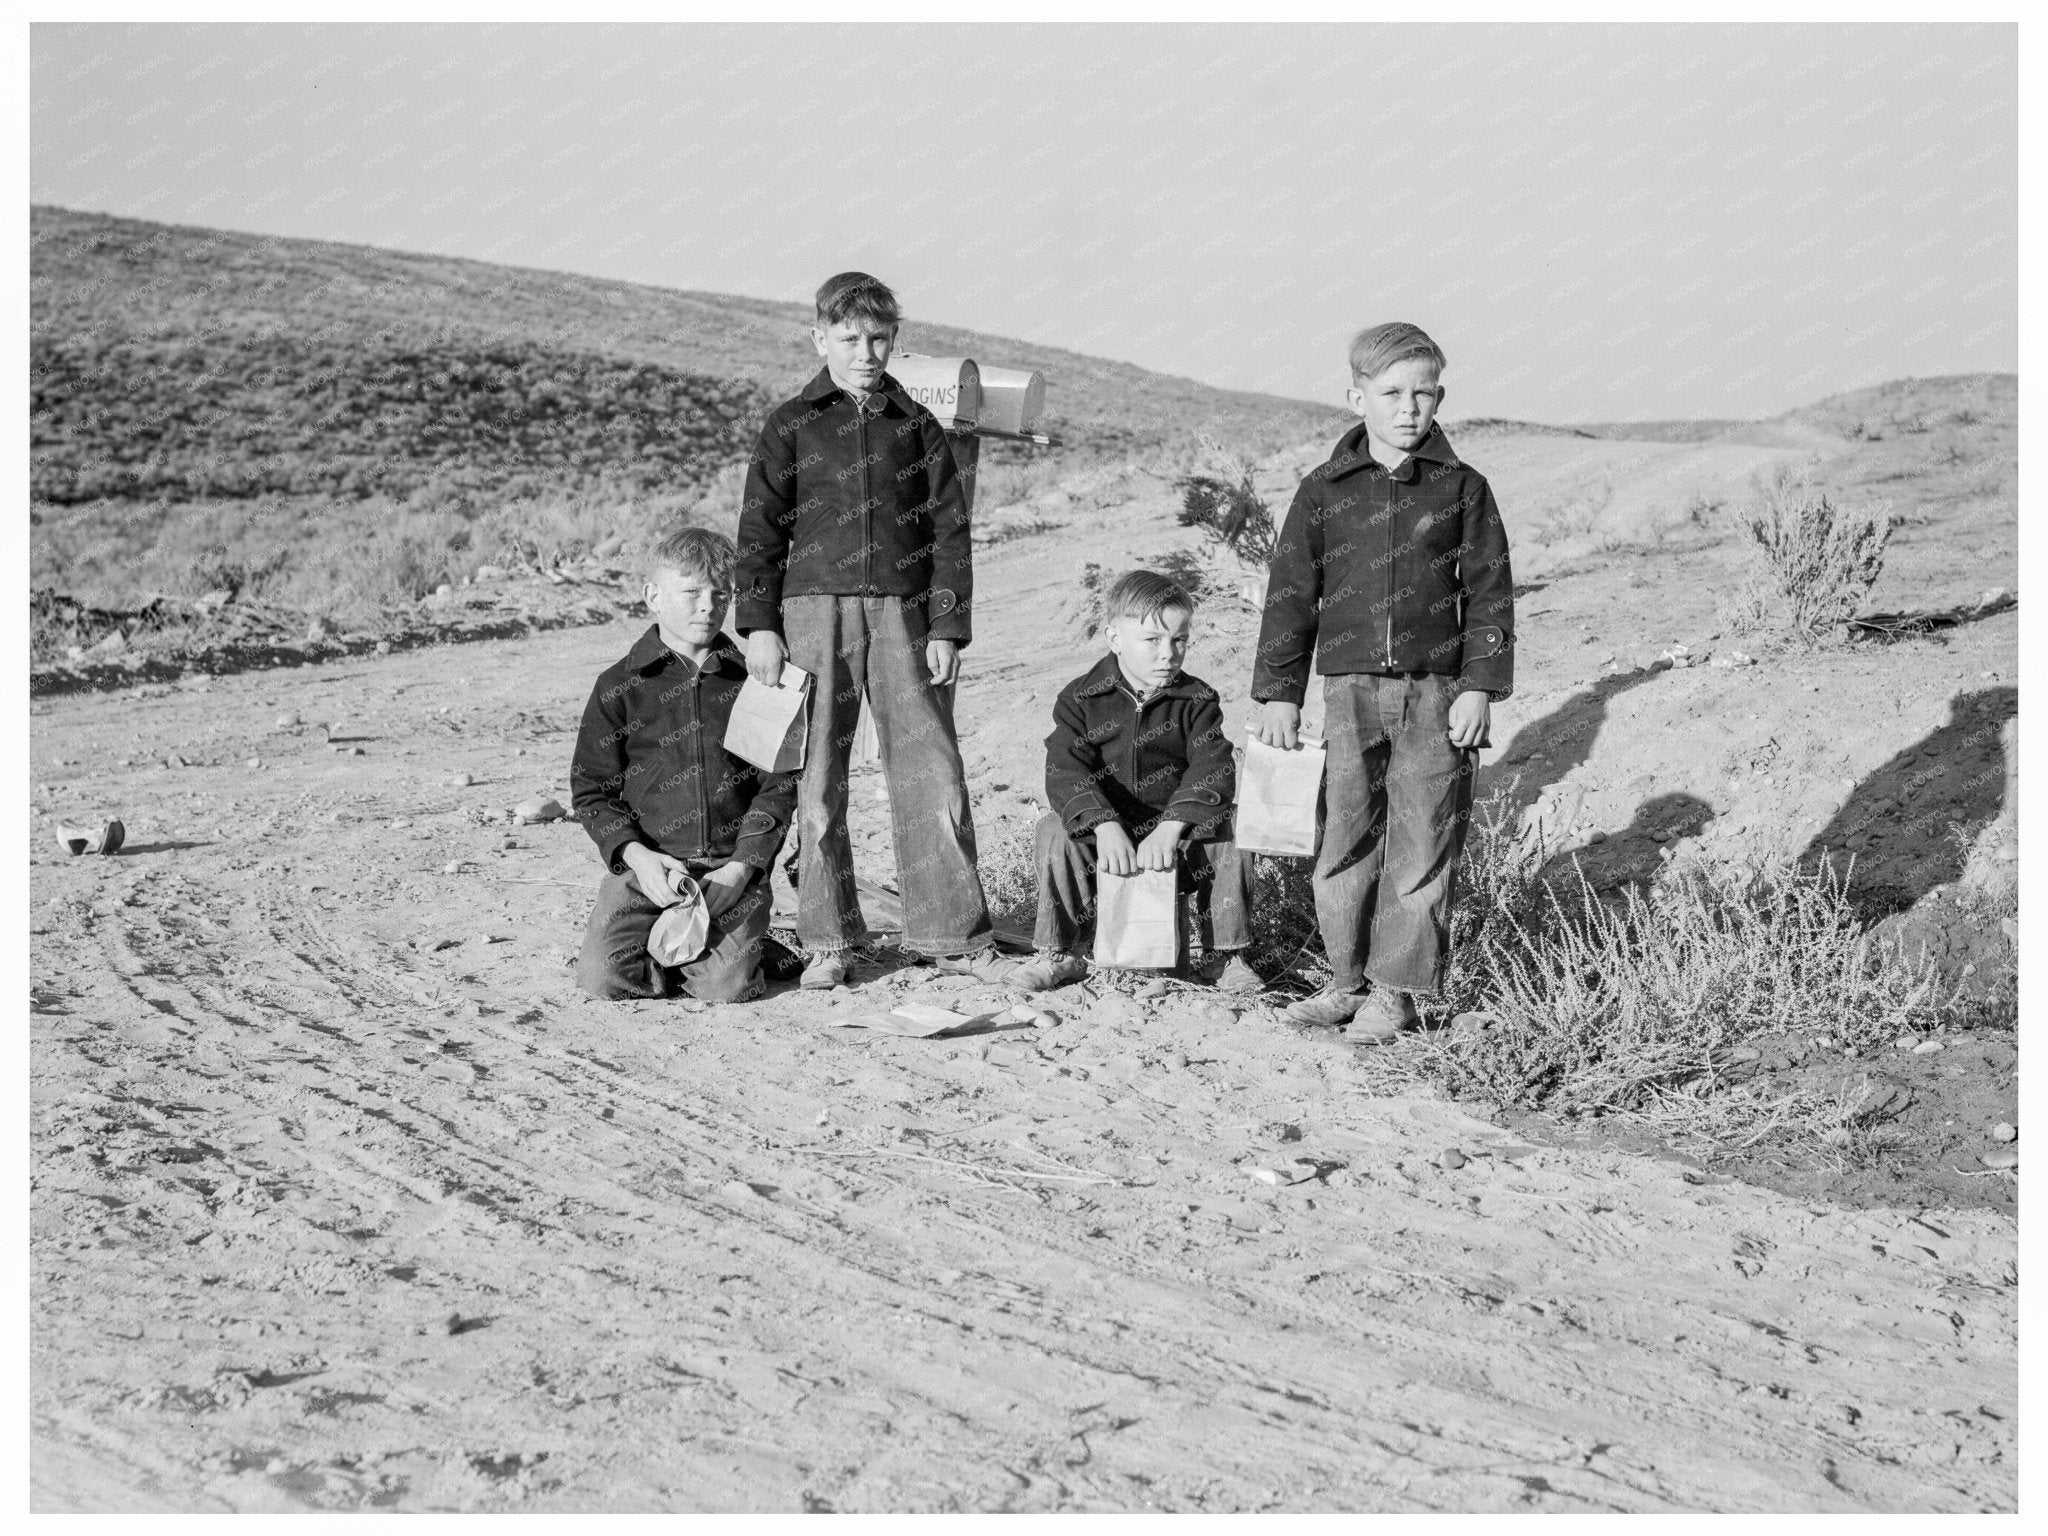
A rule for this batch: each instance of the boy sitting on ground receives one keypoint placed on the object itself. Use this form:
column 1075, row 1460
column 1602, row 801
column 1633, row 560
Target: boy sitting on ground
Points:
column 663, row 800
column 1140, row 776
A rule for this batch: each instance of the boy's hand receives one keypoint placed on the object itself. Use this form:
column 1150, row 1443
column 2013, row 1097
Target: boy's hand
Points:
column 654, row 871
column 1471, row 714
column 725, row 885
column 1161, row 845
column 1114, row 854
column 765, row 656
column 943, row 658
column 1278, row 724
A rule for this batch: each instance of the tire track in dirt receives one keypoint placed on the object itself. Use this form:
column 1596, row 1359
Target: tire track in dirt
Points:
column 871, row 1231
column 324, row 1218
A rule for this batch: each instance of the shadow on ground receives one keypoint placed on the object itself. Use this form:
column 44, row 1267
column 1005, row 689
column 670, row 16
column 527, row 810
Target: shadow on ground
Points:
column 1546, row 750
column 1907, row 826
column 1658, row 830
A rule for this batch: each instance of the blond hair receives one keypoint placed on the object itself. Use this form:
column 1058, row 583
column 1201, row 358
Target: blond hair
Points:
column 1378, row 347
column 694, row 552
column 1144, row 595
column 857, row 296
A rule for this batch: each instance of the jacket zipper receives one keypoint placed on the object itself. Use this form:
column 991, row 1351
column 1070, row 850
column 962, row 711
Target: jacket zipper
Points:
column 867, row 538
column 1137, row 729
column 1137, row 725
column 1387, row 476
column 703, row 795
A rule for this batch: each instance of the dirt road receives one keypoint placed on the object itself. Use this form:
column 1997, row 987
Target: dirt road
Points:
column 343, row 1198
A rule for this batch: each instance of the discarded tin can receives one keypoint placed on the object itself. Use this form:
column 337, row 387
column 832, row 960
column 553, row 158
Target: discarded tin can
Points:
column 107, row 837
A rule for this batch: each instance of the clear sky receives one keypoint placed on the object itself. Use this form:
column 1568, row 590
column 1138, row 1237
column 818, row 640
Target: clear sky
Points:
column 1597, row 222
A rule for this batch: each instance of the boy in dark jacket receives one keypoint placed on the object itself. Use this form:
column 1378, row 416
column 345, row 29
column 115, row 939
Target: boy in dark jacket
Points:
column 855, row 565
column 656, row 790
column 1139, row 776
column 1392, row 570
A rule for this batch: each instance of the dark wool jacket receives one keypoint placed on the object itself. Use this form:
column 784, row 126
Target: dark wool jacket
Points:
column 854, row 502
column 651, row 767
column 1380, row 572
column 1110, row 758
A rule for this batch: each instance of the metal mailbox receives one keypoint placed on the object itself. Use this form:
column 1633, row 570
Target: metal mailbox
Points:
column 949, row 387
column 989, row 402
column 972, row 403
column 1012, row 401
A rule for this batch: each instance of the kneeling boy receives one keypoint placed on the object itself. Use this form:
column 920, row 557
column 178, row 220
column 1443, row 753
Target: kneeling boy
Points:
column 1140, row 776
column 658, row 793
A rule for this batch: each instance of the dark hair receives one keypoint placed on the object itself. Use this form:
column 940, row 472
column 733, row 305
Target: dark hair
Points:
column 694, row 552
column 857, row 296
column 1144, row 595
column 1379, row 347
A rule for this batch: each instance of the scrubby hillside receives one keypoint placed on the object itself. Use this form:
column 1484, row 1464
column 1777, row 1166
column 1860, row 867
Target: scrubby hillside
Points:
column 338, row 430
column 225, row 417
column 192, row 301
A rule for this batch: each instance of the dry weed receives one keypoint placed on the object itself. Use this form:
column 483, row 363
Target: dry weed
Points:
column 1820, row 560
column 1007, row 859
column 1636, row 1005
column 1747, row 610
column 1287, row 945
column 1854, row 1126
column 1083, row 609
column 1574, row 515
column 1228, row 510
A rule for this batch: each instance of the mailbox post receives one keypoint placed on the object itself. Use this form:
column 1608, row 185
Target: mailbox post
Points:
column 972, row 403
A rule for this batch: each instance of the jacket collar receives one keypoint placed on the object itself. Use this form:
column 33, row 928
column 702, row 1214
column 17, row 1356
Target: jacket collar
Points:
column 649, row 654
column 1106, row 677
column 821, row 389
column 1351, row 453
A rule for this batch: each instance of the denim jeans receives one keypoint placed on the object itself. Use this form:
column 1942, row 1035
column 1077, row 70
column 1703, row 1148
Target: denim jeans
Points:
column 615, row 962
column 875, row 645
column 1397, row 797
column 1219, row 876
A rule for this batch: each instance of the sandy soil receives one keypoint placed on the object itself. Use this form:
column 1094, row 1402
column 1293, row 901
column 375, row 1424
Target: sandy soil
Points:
column 343, row 1198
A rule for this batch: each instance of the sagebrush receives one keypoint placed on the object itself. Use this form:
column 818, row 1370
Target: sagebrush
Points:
column 1637, row 1001
column 1820, row 560
column 1574, row 514
column 236, row 416
column 1226, row 508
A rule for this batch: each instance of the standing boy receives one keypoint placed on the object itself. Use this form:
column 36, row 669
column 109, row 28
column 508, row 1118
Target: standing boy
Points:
column 1392, row 571
column 662, row 799
column 854, row 564
column 1140, row 776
